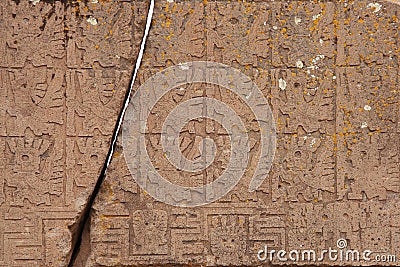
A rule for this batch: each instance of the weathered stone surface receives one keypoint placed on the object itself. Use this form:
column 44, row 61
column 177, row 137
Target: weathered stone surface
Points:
column 64, row 70
column 330, row 71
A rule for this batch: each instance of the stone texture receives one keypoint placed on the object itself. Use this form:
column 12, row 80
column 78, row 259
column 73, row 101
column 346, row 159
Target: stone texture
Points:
column 331, row 73
column 330, row 70
column 64, row 70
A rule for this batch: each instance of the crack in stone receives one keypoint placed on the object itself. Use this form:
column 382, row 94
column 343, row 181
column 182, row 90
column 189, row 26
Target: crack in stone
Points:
column 85, row 216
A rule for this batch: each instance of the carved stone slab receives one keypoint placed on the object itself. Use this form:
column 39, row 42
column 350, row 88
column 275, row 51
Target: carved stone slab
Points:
column 330, row 71
column 64, row 70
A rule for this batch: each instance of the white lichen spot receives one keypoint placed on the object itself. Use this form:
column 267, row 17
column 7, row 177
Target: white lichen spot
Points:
column 334, row 77
column 299, row 64
column 183, row 66
column 92, row 20
column 282, row 84
column 275, row 27
column 316, row 16
column 265, row 23
column 321, row 41
column 313, row 141
column 367, row 107
column 94, row 1
column 34, row 2
column 297, row 20
column 318, row 58
column 375, row 6
column 364, row 125
column 170, row 1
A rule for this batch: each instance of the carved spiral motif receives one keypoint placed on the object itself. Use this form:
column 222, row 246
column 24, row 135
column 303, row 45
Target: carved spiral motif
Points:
column 147, row 96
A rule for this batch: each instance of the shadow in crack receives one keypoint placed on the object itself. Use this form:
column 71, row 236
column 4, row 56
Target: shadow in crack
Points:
column 81, row 236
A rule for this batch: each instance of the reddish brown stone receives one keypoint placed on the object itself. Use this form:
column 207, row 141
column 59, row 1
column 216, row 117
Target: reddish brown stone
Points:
column 64, row 70
column 330, row 72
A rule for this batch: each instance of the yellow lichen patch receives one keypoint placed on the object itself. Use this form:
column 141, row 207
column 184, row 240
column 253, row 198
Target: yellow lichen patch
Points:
column 167, row 22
